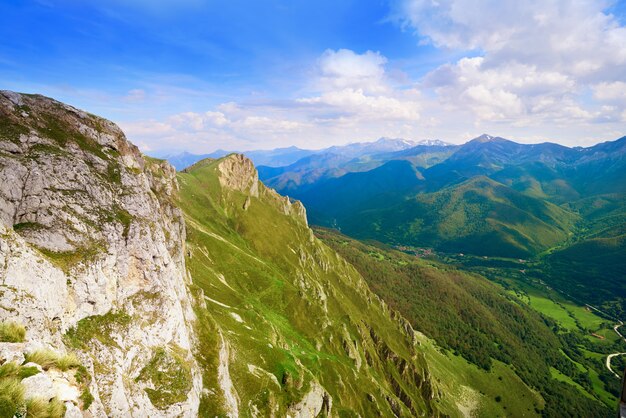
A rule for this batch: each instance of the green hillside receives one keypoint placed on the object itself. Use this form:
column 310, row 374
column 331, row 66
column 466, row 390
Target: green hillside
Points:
column 339, row 198
column 285, row 315
column 479, row 216
column 477, row 320
column 593, row 270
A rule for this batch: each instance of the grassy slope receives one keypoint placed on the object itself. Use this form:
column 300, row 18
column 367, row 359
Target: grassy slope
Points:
column 291, row 311
column 472, row 317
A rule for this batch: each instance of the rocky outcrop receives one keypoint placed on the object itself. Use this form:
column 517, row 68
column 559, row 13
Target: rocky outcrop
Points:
column 92, row 252
column 315, row 402
column 237, row 172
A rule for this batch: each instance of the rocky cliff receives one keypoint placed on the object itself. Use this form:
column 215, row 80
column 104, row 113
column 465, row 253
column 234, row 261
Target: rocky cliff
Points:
column 114, row 302
column 91, row 260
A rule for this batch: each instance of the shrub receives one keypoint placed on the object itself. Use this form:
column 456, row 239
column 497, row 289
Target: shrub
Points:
column 11, row 332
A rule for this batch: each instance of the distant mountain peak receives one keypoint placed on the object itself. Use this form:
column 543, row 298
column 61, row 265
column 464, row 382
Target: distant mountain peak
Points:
column 433, row 143
column 387, row 140
column 484, row 138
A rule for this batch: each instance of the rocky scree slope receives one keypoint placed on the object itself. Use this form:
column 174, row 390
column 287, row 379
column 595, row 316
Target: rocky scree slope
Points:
column 91, row 261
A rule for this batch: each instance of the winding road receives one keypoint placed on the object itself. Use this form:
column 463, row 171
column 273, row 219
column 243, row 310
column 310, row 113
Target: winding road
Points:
column 610, row 356
column 616, row 329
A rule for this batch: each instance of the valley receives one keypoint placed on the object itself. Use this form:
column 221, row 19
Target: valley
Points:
column 579, row 339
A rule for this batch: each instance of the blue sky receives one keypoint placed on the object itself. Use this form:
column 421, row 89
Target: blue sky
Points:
column 200, row 75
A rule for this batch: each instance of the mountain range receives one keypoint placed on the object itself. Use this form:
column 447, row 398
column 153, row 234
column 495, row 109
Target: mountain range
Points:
column 285, row 156
column 488, row 197
column 128, row 288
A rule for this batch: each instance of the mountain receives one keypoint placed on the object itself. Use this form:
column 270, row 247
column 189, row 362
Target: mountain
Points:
column 488, row 190
column 305, row 171
column 280, row 157
column 302, row 322
column 353, row 158
column 185, row 159
column 560, row 207
column 339, row 198
column 131, row 290
column 360, row 149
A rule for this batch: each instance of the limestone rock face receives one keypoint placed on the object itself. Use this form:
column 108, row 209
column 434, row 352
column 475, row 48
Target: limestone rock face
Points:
column 312, row 404
column 237, row 172
column 92, row 252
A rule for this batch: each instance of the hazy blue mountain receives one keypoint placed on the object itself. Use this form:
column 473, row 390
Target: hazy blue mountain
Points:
column 353, row 158
column 280, row 157
column 276, row 157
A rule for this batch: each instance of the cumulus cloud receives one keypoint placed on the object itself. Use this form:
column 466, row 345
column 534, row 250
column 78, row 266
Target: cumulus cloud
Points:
column 533, row 61
column 351, row 97
column 610, row 92
column 357, row 87
column 346, row 69
column 357, row 104
column 574, row 37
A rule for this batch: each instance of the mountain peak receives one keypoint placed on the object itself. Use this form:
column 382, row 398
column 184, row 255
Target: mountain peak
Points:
column 399, row 141
column 433, row 143
column 237, row 172
column 484, row 138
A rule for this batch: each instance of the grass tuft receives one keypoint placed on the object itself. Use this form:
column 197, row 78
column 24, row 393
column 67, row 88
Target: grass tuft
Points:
column 11, row 396
column 41, row 408
column 12, row 332
column 49, row 359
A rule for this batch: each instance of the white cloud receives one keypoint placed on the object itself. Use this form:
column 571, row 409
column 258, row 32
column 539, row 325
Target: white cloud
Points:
column 573, row 37
column 198, row 121
column 350, row 98
column 536, row 59
column 344, row 68
column 610, row 92
column 372, row 107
